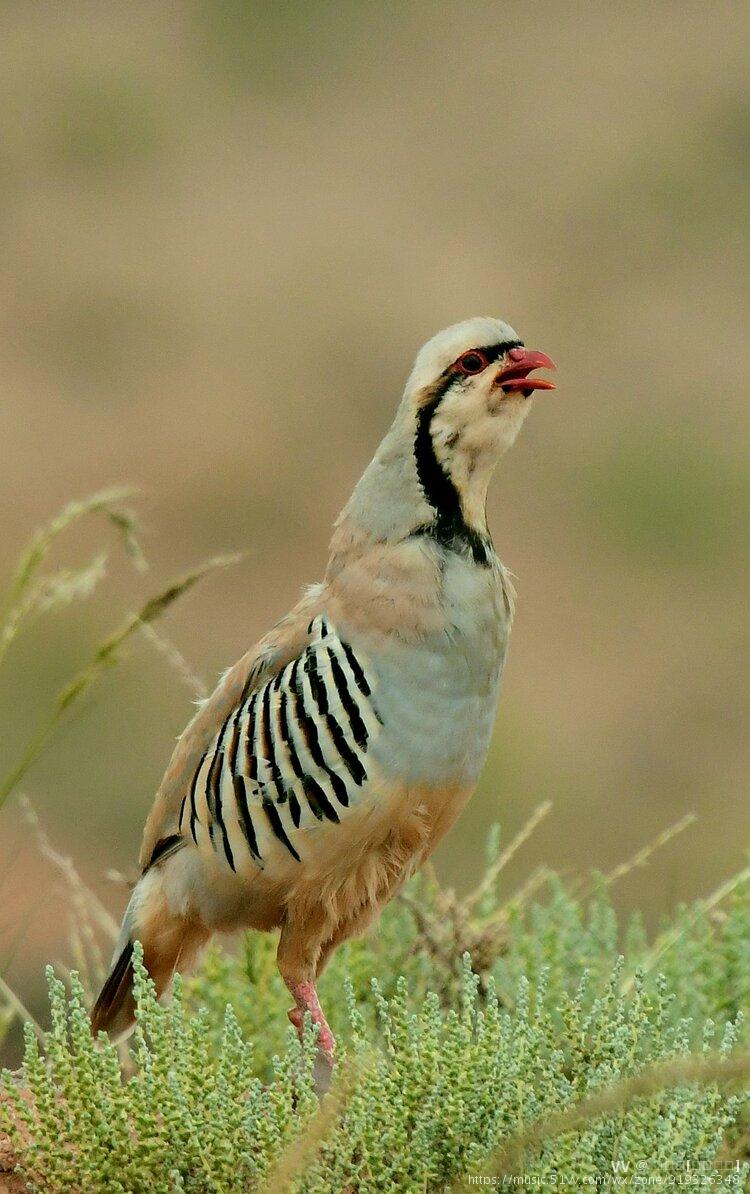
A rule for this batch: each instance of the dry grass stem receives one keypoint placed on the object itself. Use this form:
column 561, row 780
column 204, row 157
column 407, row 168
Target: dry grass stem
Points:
column 704, row 1070
column 85, row 902
column 295, row 1158
column 176, row 660
column 15, row 1004
column 670, row 938
column 490, row 878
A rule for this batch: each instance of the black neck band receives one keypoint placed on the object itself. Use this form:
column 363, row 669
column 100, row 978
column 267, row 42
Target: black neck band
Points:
column 449, row 528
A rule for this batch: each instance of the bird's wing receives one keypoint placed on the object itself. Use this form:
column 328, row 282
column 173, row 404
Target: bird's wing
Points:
column 288, row 756
column 264, row 660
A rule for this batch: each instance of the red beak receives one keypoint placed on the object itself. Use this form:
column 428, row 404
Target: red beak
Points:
column 514, row 377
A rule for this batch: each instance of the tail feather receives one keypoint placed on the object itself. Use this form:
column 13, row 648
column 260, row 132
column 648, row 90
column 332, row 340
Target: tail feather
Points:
column 168, row 941
column 114, row 1010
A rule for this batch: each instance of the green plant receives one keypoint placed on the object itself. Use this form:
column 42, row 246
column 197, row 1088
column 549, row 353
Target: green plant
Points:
column 31, row 594
column 558, row 1061
column 34, row 590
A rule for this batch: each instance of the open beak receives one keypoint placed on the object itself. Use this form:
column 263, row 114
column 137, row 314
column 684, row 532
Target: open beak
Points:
column 514, row 377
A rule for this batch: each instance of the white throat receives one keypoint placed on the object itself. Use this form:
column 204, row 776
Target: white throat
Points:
column 469, row 451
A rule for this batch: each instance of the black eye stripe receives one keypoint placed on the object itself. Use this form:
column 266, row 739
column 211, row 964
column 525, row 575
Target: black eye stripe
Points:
column 493, row 351
column 453, row 374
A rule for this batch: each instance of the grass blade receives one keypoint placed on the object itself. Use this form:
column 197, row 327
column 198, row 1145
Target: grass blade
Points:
column 704, row 1070
column 108, row 502
column 105, row 655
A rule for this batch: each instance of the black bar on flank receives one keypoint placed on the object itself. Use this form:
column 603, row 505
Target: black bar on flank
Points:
column 271, row 811
column 246, row 821
column 350, row 706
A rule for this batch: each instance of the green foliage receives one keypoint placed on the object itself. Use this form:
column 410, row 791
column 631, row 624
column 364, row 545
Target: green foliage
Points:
column 441, row 1065
column 189, row 1110
column 31, row 594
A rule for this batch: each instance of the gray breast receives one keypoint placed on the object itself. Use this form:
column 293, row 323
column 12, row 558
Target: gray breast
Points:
column 437, row 698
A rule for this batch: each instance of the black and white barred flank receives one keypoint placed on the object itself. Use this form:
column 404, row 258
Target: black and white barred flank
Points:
column 293, row 753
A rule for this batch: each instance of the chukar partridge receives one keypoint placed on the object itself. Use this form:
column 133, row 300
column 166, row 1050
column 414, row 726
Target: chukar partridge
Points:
column 334, row 756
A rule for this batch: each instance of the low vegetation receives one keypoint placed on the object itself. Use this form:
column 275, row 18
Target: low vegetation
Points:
column 561, row 1060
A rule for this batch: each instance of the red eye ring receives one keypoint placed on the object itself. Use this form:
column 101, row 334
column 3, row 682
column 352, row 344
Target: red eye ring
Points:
column 472, row 362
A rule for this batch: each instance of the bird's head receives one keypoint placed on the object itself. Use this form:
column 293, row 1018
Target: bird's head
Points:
column 469, row 392
column 465, row 400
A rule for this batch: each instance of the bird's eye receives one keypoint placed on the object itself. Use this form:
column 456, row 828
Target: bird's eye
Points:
column 472, row 362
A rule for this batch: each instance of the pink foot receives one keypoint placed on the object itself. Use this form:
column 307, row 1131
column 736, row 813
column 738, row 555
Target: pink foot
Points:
column 306, row 999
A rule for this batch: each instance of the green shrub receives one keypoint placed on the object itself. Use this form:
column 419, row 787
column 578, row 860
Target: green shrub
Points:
column 439, row 1067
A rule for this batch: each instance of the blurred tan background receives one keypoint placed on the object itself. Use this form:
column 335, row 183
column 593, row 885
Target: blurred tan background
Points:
column 225, row 229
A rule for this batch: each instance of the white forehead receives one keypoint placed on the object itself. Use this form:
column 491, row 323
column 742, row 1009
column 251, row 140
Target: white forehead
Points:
column 439, row 352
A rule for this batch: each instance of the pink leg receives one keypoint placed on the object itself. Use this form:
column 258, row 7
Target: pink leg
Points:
column 306, row 998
